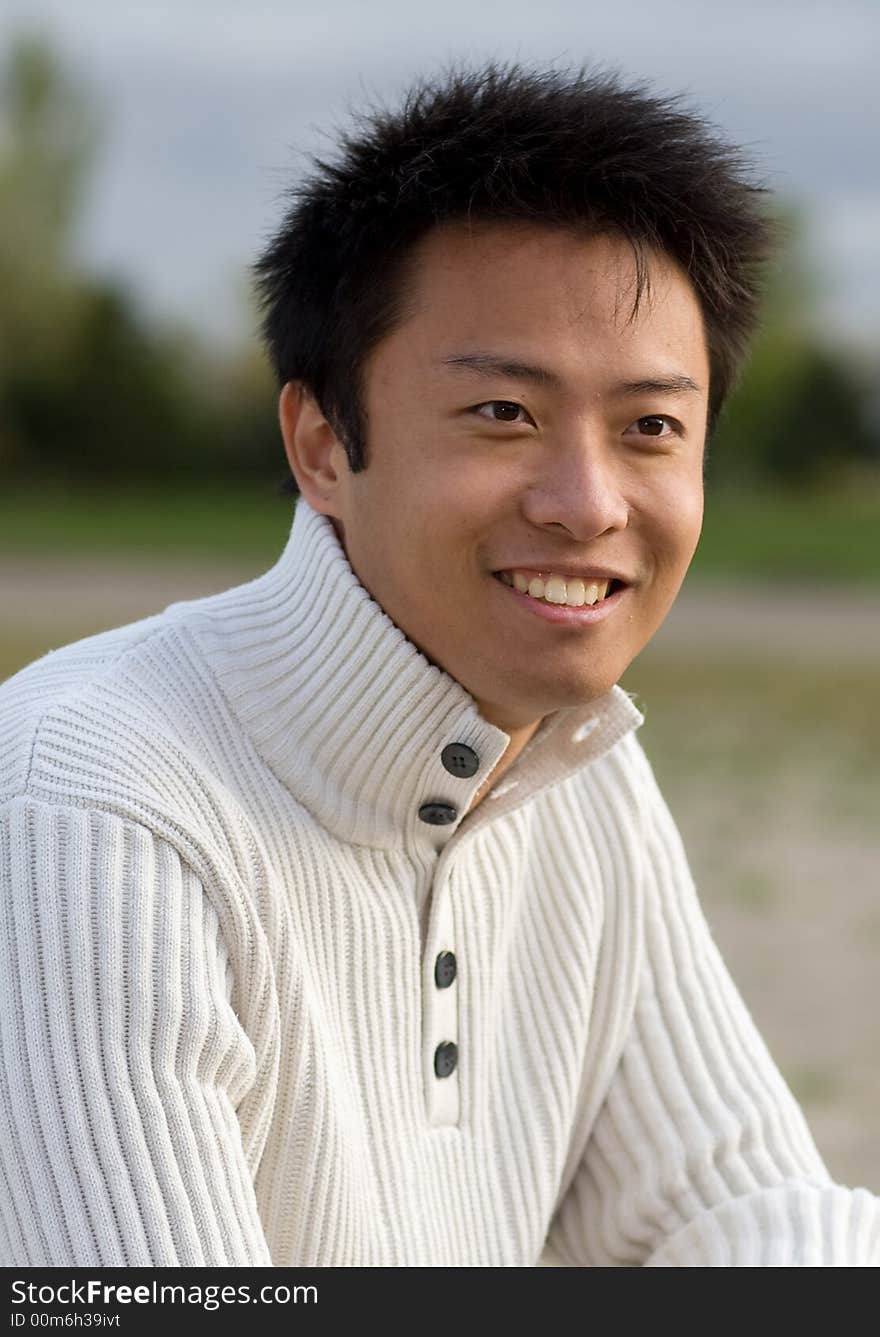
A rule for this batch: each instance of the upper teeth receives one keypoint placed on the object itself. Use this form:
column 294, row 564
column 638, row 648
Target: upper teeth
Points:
column 556, row 589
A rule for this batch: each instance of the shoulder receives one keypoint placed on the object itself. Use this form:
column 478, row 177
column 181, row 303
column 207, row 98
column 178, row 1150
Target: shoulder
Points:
column 622, row 789
column 54, row 687
column 116, row 722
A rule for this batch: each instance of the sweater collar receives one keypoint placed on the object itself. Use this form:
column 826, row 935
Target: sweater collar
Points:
column 351, row 716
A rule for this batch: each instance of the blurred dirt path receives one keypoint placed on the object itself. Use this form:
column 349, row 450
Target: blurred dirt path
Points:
column 96, row 593
column 823, row 623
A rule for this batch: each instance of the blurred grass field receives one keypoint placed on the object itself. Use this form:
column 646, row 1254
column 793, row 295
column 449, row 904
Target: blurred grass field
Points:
column 767, row 748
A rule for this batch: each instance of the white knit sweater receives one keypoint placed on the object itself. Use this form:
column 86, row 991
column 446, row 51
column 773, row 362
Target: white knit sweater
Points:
column 219, row 923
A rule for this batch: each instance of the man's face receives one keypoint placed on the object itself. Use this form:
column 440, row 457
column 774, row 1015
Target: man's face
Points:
column 479, row 469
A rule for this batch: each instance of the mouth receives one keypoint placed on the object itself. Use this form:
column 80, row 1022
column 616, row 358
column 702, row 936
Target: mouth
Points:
column 563, row 612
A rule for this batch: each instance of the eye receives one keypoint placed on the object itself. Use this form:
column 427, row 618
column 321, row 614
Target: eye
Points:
column 656, row 420
column 508, row 411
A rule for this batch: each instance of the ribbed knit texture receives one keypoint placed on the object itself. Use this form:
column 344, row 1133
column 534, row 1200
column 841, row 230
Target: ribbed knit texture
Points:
column 219, row 921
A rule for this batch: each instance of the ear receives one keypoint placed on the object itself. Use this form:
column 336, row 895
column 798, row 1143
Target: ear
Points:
column 315, row 454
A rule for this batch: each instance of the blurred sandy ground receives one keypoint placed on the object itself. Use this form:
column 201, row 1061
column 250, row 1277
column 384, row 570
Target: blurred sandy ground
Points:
column 763, row 726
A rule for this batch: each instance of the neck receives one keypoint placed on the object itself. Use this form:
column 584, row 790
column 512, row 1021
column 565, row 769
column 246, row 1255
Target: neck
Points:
column 518, row 739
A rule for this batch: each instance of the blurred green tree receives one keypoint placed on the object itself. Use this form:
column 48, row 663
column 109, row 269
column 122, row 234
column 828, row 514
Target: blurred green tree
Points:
column 801, row 411
column 87, row 387
column 48, row 137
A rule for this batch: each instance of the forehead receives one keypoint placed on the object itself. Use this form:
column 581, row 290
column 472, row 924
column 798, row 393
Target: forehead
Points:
column 545, row 287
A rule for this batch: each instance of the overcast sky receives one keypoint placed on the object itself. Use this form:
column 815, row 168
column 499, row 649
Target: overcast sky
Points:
column 209, row 101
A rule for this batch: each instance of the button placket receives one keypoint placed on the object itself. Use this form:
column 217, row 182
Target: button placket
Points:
column 440, row 1036
column 440, row 1032
column 442, row 811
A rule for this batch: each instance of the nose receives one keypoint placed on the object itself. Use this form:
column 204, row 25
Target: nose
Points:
column 580, row 489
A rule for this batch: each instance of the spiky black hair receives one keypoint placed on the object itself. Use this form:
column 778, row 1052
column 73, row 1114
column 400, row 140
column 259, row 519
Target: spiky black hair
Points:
column 505, row 143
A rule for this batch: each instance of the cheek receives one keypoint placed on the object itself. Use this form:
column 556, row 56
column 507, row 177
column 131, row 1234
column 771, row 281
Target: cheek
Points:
column 687, row 517
column 693, row 510
column 673, row 508
column 456, row 498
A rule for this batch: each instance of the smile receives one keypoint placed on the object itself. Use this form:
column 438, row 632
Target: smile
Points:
column 556, row 589
column 554, row 610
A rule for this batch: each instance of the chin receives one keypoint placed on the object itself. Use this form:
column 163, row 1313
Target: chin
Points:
column 595, row 691
column 580, row 694
column 598, row 682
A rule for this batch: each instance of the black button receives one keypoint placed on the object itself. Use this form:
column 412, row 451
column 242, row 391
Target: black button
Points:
column 438, row 814
column 445, row 1058
column 444, row 970
column 459, row 759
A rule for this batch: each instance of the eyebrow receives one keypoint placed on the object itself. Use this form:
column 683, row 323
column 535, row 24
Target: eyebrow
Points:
column 490, row 364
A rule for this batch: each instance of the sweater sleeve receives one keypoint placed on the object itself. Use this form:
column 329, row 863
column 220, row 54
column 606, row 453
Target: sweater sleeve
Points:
column 700, row 1155
column 123, row 1060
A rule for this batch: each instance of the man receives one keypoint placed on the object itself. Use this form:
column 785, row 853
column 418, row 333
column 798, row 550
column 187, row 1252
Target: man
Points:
column 344, row 922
